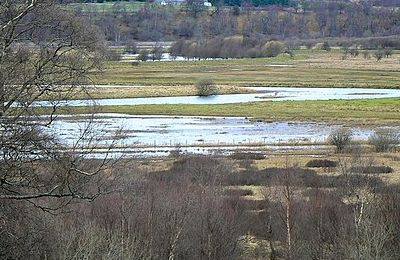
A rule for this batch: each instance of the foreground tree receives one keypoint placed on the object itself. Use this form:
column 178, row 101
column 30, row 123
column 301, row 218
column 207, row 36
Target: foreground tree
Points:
column 45, row 54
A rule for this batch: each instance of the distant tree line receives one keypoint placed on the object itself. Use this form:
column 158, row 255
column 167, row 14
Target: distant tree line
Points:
column 310, row 20
column 224, row 2
column 97, row 1
column 386, row 3
column 252, row 2
column 370, row 43
column 228, row 47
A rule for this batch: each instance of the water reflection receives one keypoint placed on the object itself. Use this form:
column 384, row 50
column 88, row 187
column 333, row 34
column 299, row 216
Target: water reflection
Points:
column 170, row 131
column 263, row 93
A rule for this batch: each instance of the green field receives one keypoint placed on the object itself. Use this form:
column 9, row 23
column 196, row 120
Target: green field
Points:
column 308, row 69
column 352, row 112
column 148, row 91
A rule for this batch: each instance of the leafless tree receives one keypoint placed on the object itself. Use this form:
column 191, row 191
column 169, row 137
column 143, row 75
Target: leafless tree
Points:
column 45, row 54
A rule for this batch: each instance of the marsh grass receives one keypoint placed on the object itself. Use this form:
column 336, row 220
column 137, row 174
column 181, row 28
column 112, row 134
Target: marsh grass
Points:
column 360, row 112
column 153, row 91
column 308, row 68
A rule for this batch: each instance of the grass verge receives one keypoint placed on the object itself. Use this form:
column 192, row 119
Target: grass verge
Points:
column 360, row 112
column 153, row 91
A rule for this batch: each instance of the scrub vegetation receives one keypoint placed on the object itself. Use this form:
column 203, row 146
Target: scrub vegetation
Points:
column 213, row 206
column 86, row 198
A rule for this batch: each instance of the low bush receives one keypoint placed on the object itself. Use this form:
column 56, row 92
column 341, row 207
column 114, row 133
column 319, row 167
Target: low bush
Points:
column 366, row 55
column 388, row 52
column 254, row 53
column 322, row 46
column 340, row 138
column 384, row 141
column 131, row 47
column 228, row 47
column 273, row 48
column 247, row 156
column 206, row 87
column 379, row 54
column 112, row 55
column 143, row 55
column 135, row 63
column 298, row 177
column 156, row 53
column 350, row 181
column 352, row 51
column 271, row 176
column 321, row 163
column 371, row 169
column 205, row 170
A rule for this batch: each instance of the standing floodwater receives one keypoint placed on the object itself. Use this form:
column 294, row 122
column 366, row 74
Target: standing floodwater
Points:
column 262, row 94
column 170, row 131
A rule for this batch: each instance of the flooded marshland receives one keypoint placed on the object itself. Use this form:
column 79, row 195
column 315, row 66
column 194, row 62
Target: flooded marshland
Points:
column 262, row 94
column 163, row 134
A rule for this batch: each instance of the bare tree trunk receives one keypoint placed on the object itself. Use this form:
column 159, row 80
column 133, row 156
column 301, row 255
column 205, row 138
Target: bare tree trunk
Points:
column 288, row 197
column 150, row 226
column 175, row 243
column 288, row 220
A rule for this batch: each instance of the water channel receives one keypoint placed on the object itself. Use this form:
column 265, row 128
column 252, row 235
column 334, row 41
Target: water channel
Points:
column 262, row 94
column 162, row 134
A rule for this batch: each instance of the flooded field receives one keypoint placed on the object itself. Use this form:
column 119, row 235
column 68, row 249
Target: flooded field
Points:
column 263, row 94
column 163, row 134
column 165, row 57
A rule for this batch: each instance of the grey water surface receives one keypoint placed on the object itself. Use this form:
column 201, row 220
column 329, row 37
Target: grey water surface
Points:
column 200, row 134
column 263, row 94
column 195, row 131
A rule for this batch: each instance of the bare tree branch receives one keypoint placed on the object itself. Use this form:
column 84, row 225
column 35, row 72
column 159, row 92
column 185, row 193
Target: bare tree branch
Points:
column 20, row 15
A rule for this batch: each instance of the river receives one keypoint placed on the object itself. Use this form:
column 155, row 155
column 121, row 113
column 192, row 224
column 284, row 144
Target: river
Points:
column 262, row 94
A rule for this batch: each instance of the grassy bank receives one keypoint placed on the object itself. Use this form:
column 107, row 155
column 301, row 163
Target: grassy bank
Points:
column 152, row 91
column 369, row 112
column 308, row 68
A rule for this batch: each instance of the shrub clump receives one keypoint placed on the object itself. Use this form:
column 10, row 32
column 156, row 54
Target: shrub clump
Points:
column 273, row 48
column 271, row 177
column 206, row 87
column 372, row 169
column 322, row 46
column 143, row 55
column 228, row 47
column 112, row 55
column 340, row 138
column 156, row 53
column 131, row 47
column 321, row 163
column 247, row 156
column 384, row 141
